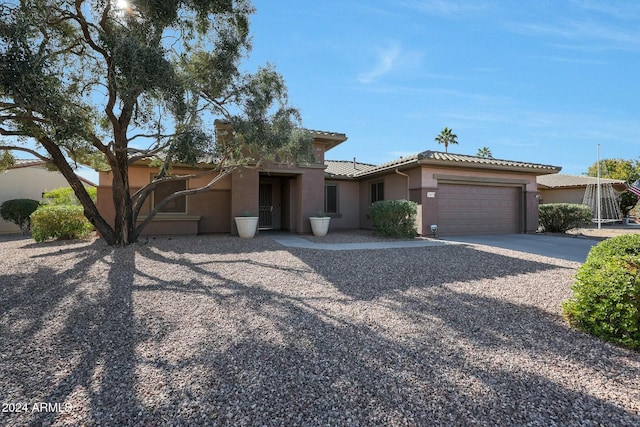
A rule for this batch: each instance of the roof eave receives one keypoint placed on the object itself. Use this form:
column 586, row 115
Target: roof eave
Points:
column 329, row 141
column 534, row 170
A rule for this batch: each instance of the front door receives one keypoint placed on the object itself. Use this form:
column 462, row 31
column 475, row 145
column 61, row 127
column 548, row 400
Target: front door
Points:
column 265, row 206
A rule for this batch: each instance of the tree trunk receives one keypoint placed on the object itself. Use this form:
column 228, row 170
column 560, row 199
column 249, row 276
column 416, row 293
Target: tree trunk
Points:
column 124, row 221
column 90, row 210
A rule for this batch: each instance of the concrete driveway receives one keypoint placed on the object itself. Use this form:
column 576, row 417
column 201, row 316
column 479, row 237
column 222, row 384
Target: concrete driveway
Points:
column 567, row 248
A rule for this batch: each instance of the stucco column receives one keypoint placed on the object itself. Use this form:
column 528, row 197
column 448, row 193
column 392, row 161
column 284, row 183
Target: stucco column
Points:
column 531, row 200
column 310, row 197
column 429, row 201
column 244, row 194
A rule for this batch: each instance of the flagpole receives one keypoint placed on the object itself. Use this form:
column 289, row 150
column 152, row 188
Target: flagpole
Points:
column 598, row 204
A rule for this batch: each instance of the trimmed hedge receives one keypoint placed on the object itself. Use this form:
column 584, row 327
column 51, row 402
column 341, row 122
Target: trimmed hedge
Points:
column 19, row 212
column 394, row 218
column 62, row 222
column 560, row 217
column 606, row 295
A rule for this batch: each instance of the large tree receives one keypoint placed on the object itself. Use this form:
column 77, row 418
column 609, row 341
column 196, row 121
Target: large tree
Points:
column 447, row 137
column 626, row 170
column 108, row 83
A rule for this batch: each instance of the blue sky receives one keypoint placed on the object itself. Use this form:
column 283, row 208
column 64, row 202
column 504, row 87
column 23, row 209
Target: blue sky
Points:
column 538, row 81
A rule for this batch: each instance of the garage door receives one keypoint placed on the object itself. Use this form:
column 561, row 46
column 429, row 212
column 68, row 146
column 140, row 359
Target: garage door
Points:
column 478, row 209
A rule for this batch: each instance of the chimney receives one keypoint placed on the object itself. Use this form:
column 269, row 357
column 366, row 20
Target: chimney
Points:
column 354, row 163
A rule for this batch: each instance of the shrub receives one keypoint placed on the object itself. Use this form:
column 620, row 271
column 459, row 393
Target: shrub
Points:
column 66, row 196
column 394, row 218
column 19, row 212
column 606, row 294
column 60, row 222
column 560, row 217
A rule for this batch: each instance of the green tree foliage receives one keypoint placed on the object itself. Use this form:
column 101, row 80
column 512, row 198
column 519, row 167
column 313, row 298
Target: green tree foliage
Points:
column 61, row 222
column 627, row 201
column 484, row 152
column 19, row 212
column 394, row 218
column 6, row 160
column 606, row 294
column 447, row 137
column 560, row 217
column 88, row 81
column 66, row 196
column 626, row 170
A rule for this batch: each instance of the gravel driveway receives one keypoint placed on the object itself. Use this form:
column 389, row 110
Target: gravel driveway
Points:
column 217, row 330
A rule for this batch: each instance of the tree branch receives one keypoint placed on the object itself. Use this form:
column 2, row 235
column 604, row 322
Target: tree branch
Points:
column 224, row 173
column 26, row 150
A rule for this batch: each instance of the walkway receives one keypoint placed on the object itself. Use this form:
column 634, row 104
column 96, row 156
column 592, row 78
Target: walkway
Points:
column 293, row 241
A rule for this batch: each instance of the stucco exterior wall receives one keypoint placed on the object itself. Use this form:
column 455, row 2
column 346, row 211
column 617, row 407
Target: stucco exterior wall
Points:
column 26, row 183
column 562, row 195
column 212, row 206
column 348, row 205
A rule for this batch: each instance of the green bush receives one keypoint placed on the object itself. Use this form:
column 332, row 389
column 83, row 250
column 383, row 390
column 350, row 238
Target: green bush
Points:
column 394, row 218
column 560, row 217
column 60, row 222
column 66, row 196
column 606, row 294
column 19, row 212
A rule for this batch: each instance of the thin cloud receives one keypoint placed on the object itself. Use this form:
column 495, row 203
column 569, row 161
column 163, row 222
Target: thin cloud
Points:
column 586, row 32
column 390, row 59
column 387, row 61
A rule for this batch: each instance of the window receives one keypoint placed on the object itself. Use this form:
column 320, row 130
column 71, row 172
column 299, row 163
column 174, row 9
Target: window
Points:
column 331, row 198
column 177, row 205
column 377, row 192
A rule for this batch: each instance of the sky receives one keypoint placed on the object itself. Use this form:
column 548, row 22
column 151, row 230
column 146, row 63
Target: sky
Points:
column 541, row 81
column 535, row 81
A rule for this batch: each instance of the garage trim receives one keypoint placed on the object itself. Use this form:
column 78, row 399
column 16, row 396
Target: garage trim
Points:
column 461, row 179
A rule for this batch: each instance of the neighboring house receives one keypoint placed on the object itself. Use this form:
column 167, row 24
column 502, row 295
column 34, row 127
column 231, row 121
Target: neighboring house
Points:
column 461, row 194
column 560, row 188
column 28, row 179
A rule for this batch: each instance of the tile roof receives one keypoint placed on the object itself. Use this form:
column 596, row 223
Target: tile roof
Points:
column 345, row 168
column 436, row 158
column 25, row 163
column 563, row 181
column 327, row 134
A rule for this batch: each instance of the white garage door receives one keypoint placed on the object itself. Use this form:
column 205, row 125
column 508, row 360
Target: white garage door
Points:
column 478, row 209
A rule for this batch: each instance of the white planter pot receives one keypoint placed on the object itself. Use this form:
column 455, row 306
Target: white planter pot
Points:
column 247, row 226
column 320, row 225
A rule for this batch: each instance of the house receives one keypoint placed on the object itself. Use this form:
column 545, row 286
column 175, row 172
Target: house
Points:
column 461, row 194
column 560, row 188
column 28, row 179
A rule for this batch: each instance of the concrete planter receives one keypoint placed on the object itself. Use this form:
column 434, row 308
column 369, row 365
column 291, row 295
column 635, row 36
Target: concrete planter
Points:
column 320, row 225
column 247, row 226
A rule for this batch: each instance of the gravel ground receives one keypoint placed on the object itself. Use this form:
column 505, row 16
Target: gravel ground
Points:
column 217, row 330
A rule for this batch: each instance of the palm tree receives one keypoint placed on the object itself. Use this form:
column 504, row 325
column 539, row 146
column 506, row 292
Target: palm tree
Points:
column 447, row 137
column 484, row 152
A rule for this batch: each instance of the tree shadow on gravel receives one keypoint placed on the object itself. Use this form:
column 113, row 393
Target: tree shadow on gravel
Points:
column 244, row 340
column 70, row 337
column 309, row 367
column 291, row 361
column 365, row 275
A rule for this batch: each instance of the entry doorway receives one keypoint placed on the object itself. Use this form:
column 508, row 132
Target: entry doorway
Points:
column 276, row 202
